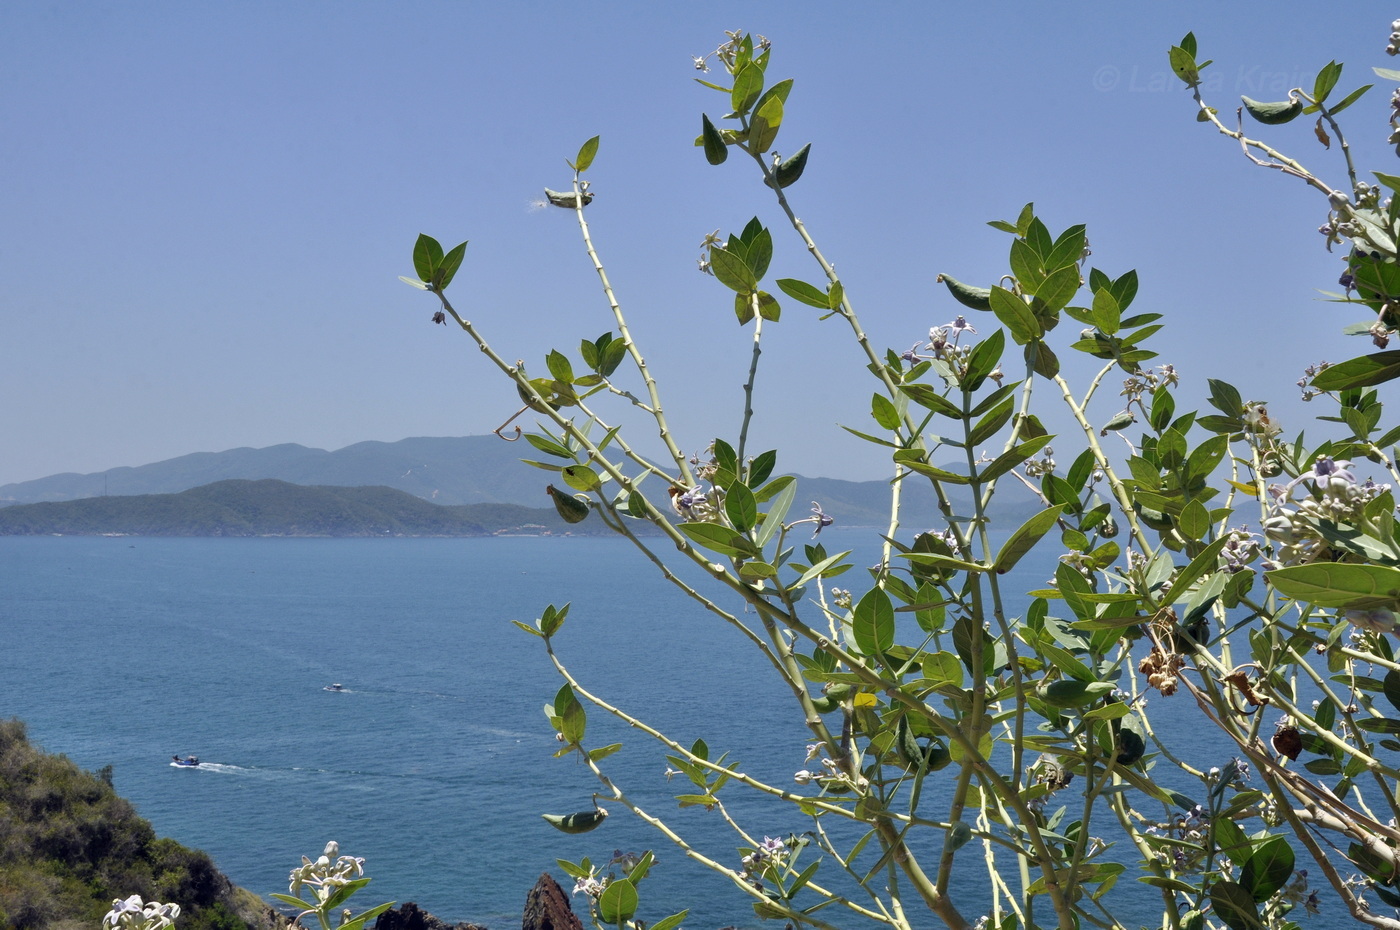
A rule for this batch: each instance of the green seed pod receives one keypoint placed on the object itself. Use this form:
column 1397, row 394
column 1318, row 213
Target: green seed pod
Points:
column 566, row 199
column 978, row 298
column 788, row 171
column 1275, row 113
column 543, row 387
column 1072, row 692
column 1120, row 420
column 840, row 691
column 715, row 149
column 570, row 508
column 580, row 822
column 1129, row 740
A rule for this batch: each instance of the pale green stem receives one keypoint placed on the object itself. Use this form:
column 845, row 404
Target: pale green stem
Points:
column 753, row 376
column 663, row 430
column 665, row 830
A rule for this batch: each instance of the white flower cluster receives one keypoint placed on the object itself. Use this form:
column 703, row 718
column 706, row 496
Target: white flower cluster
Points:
column 131, row 914
column 328, row 874
column 1338, row 498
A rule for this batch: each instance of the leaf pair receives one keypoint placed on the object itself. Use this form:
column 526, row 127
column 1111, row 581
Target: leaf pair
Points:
column 433, row 267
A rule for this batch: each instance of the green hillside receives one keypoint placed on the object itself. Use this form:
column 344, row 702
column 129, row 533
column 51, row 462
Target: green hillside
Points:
column 276, row 508
column 69, row 846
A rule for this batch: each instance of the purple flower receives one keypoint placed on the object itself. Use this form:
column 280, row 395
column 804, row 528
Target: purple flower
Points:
column 820, row 518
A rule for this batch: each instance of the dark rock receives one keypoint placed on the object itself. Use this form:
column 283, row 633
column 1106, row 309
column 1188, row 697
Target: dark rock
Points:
column 548, row 908
column 411, row 917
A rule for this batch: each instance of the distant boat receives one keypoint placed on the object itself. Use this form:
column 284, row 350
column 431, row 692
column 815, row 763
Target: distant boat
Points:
column 334, row 687
column 188, row 762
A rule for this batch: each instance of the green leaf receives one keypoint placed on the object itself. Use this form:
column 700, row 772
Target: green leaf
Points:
column 1392, row 688
column 1339, row 584
column 1008, row 460
column 559, row 367
column 1200, row 565
column 581, row 478
column 1025, row 538
column 1366, row 371
column 884, row 411
column 572, row 720
column 671, row 922
column 586, row 154
column 982, row 361
column 1194, row 521
column 803, row 292
column 768, row 307
column 1235, row 906
column 740, row 507
column 448, row 268
column 748, row 84
column 925, row 396
column 1184, row 65
column 1388, row 73
column 719, row 539
column 777, row 513
column 1106, row 312
column 1225, row 398
column 618, row 902
column 872, row 622
column 427, row 255
column 763, row 129
column 1351, row 98
column 732, row 271
column 1267, row 869
column 1326, row 80
column 1015, row 314
column 548, row 446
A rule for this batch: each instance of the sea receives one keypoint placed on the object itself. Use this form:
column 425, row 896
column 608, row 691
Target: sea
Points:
column 435, row 761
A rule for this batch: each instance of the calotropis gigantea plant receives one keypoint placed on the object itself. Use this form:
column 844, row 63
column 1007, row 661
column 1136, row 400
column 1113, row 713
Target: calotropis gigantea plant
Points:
column 1009, row 719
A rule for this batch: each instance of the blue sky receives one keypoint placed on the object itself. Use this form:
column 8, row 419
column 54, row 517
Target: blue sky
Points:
column 205, row 207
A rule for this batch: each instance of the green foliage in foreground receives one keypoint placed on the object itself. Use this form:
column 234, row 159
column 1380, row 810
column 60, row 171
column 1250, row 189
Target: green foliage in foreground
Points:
column 1212, row 567
column 69, row 846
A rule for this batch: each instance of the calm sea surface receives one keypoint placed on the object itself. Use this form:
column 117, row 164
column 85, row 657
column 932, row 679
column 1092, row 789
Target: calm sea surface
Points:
column 436, row 762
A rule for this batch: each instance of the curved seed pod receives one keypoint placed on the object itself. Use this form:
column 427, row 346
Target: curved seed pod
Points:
column 978, row 298
column 1121, row 420
column 715, row 149
column 906, row 745
column 788, row 171
column 580, row 822
column 533, row 404
column 570, row 508
column 1129, row 740
column 1069, row 692
column 840, row 691
column 1273, row 113
column 566, row 199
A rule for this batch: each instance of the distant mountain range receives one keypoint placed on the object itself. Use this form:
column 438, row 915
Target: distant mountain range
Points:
column 468, row 470
column 269, row 507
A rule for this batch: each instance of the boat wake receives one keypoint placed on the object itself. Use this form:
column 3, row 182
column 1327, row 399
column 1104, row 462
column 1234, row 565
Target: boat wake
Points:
column 209, row 767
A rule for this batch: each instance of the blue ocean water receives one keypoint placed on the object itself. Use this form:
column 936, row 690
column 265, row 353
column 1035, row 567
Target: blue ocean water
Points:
column 436, row 761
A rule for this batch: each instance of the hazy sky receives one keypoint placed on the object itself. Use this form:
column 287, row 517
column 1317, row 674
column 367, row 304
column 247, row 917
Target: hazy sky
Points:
column 204, row 207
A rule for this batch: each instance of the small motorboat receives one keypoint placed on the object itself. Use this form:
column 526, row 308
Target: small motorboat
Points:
column 337, row 686
column 185, row 763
